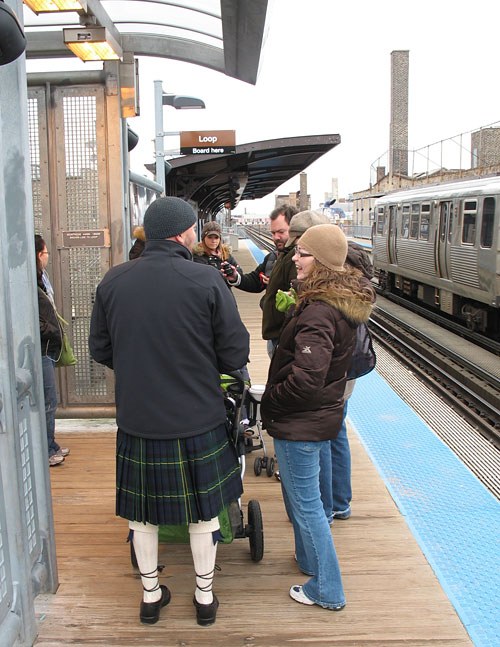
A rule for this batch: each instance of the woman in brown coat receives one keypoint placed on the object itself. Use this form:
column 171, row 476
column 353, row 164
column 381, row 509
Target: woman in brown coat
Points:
column 303, row 402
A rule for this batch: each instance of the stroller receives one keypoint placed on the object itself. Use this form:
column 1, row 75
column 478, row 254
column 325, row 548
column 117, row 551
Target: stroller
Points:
column 250, row 427
column 232, row 526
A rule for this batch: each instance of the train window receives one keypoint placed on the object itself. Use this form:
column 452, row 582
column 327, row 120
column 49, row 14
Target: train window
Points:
column 380, row 220
column 469, row 222
column 405, row 225
column 414, row 222
column 424, row 226
column 425, row 219
column 487, row 223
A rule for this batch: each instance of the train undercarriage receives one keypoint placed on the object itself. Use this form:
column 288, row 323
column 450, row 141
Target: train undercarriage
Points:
column 474, row 315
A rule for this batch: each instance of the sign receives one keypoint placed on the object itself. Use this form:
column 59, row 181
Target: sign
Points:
column 86, row 238
column 211, row 142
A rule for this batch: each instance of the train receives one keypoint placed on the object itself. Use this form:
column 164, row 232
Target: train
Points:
column 439, row 245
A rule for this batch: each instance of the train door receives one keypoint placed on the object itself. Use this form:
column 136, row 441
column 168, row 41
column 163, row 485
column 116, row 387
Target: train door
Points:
column 391, row 235
column 443, row 238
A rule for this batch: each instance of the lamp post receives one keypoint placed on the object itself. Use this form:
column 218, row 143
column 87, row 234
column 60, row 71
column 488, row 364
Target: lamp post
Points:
column 179, row 102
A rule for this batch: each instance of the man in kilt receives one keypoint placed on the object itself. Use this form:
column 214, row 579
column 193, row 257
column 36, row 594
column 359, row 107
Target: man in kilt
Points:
column 168, row 327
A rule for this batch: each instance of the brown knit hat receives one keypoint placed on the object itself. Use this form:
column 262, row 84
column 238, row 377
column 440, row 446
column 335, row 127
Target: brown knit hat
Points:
column 211, row 227
column 328, row 244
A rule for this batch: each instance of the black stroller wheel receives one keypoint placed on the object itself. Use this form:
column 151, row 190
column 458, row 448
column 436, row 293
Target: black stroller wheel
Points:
column 254, row 531
column 270, row 466
column 257, row 466
column 133, row 558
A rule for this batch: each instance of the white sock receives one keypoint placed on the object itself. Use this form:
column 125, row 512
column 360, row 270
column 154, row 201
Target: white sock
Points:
column 146, row 552
column 204, row 551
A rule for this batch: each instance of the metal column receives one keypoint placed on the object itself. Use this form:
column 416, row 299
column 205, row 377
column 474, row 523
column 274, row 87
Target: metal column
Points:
column 27, row 550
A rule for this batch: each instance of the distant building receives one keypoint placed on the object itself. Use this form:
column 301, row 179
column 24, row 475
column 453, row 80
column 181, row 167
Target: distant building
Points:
column 485, row 147
column 291, row 200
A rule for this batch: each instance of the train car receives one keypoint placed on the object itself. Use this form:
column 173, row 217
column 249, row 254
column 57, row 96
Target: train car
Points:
column 440, row 245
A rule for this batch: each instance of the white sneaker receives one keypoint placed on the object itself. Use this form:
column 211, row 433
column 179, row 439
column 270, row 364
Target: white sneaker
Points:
column 297, row 594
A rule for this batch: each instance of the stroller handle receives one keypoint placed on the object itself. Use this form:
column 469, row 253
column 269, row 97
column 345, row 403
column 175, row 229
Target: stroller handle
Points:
column 237, row 375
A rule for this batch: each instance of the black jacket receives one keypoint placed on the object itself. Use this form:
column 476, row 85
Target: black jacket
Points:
column 167, row 327
column 282, row 275
column 200, row 256
column 50, row 331
column 251, row 282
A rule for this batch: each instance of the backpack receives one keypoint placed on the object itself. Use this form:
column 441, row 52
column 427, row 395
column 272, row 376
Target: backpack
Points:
column 363, row 355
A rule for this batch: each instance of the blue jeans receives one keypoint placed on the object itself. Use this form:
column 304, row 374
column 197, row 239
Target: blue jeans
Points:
column 314, row 547
column 335, row 474
column 341, row 471
column 50, row 395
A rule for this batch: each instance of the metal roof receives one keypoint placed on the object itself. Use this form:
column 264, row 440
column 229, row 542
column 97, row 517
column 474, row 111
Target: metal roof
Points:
column 223, row 35
column 254, row 171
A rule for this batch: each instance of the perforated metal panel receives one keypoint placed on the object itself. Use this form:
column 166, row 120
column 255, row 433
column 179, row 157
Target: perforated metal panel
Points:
column 35, row 160
column 80, row 150
column 77, row 196
column 85, row 273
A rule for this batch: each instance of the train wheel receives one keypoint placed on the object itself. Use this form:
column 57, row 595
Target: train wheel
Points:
column 254, row 531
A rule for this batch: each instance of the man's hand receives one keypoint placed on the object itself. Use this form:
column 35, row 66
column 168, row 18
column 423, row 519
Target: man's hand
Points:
column 229, row 272
column 263, row 278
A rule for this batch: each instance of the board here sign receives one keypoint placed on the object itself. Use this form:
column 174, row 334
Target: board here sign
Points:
column 208, row 142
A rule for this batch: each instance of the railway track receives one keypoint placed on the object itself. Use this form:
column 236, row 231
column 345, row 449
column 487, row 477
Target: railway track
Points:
column 476, row 338
column 263, row 239
column 469, row 389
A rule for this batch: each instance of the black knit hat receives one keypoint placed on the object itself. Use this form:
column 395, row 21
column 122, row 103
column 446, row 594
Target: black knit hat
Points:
column 167, row 217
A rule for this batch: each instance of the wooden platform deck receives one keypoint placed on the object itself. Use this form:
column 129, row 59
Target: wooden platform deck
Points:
column 393, row 597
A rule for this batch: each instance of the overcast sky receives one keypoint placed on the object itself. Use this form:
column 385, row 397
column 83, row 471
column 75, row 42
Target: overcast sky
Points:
column 325, row 69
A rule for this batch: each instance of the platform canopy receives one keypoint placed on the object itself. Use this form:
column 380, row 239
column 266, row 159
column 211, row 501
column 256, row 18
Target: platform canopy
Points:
column 223, row 35
column 254, row 171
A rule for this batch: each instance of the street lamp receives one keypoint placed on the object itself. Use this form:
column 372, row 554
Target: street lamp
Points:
column 179, row 102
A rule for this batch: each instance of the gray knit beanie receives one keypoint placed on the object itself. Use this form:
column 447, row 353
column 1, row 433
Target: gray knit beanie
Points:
column 167, row 217
column 328, row 244
column 302, row 221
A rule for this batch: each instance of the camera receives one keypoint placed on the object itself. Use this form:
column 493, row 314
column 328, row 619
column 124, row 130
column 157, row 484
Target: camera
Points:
column 227, row 269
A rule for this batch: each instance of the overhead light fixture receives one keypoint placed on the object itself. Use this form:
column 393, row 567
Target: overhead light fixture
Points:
column 92, row 44
column 49, row 6
column 182, row 102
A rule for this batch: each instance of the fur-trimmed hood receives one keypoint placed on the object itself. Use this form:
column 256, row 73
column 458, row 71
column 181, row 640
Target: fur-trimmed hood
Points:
column 355, row 309
column 198, row 249
column 139, row 234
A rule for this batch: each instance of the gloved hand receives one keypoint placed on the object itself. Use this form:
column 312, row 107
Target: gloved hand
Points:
column 284, row 300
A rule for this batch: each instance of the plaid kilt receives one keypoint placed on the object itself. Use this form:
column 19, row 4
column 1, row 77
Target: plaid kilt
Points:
column 176, row 481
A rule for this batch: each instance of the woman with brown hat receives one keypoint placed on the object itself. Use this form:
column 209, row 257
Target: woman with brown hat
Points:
column 212, row 251
column 302, row 405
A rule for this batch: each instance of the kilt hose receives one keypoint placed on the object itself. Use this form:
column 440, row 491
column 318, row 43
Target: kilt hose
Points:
column 176, row 481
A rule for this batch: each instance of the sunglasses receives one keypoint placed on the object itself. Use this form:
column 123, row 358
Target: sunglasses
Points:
column 301, row 254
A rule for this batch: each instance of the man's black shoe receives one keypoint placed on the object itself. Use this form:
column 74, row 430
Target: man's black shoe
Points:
column 206, row 613
column 150, row 611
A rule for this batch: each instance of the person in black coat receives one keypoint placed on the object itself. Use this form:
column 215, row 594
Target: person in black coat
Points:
column 212, row 251
column 168, row 327
column 51, row 344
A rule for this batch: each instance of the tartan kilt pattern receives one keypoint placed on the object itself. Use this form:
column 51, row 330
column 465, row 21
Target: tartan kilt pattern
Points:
column 176, row 481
